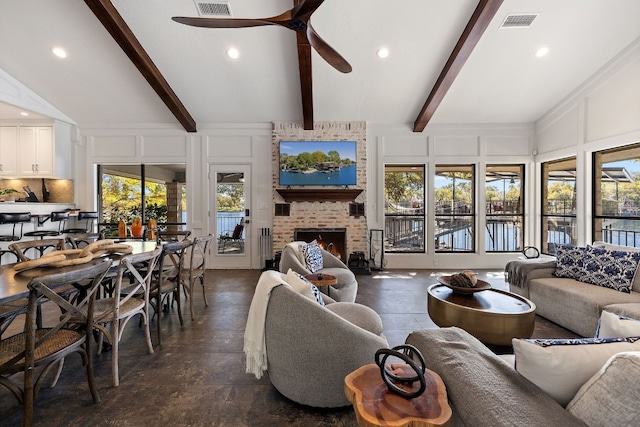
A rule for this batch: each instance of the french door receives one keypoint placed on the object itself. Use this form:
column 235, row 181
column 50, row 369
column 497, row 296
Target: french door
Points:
column 230, row 215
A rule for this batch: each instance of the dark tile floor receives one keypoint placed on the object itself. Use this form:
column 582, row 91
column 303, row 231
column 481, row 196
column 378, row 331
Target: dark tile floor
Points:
column 197, row 377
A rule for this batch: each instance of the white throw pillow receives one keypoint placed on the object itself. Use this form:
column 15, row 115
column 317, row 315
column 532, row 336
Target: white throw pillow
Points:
column 304, row 287
column 560, row 367
column 610, row 397
column 614, row 325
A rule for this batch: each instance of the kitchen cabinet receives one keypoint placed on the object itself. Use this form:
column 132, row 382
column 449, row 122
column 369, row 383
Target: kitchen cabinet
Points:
column 8, row 151
column 37, row 152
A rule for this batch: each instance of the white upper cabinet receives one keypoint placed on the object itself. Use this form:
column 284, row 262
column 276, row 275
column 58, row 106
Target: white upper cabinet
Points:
column 9, row 151
column 36, row 151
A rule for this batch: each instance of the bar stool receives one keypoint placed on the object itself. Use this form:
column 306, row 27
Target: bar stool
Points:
column 85, row 217
column 17, row 219
column 60, row 217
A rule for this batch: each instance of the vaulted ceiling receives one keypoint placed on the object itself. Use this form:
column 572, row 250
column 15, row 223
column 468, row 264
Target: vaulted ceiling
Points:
column 502, row 81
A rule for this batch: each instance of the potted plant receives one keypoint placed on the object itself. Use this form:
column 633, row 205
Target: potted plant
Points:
column 7, row 193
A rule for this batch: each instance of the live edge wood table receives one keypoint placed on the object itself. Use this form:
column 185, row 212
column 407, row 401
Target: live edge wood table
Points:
column 376, row 406
column 493, row 316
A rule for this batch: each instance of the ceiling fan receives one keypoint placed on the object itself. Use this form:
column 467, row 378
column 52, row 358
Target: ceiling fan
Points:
column 296, row 19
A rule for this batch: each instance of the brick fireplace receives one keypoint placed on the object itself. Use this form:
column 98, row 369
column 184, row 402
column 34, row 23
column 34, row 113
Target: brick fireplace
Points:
column 333, row 240
column 321, row 214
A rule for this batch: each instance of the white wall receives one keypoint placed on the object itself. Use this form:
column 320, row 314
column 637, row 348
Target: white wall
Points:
column 462, row 144
column 212, row 144
column 602, row 113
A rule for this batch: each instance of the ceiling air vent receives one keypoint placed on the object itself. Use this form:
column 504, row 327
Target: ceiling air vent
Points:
column 520, row 20
column 218, row 8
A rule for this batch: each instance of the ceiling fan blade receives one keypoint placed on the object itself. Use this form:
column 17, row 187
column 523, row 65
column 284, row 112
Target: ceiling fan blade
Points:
column 306, row 7
column 224, row 22
column 327, row 53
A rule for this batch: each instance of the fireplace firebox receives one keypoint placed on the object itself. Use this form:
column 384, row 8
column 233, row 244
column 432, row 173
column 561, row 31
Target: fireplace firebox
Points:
column 333, row 240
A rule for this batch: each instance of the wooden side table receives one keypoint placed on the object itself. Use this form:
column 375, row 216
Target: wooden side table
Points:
column 325, row 280
column 376, row 406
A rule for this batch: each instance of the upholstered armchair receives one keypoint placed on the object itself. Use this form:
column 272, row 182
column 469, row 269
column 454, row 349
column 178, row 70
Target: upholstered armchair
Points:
column 311, row 348
column 346, row 288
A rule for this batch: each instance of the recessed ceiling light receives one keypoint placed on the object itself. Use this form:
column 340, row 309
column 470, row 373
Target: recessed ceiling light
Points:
column 24, row 113
column 542, row 52
column 233, row 53
column 383, row 52
column 59, row 52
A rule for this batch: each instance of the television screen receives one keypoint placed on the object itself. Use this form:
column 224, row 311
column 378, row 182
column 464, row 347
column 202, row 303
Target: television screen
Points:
column 318, row 163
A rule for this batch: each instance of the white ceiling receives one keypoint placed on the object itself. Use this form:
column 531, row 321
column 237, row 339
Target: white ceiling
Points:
column 502, row 82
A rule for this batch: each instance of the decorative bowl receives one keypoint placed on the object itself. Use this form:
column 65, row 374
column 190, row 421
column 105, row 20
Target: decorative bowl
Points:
column 481, row 285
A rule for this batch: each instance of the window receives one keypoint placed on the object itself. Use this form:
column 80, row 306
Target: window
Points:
column 504, row 208
column 616, row 198
column 122, row 196
column 404, row 208
column 558, row 203
column 455, row 208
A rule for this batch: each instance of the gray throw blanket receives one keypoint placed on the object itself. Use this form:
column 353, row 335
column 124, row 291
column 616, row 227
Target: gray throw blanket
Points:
column 516, row 271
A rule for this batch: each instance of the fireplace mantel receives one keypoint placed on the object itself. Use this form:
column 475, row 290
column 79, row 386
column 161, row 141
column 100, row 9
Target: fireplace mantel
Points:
column 319, row 194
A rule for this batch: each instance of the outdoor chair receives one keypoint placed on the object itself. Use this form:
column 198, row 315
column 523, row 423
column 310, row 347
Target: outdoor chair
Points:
column 236, row 237
column 47, row 347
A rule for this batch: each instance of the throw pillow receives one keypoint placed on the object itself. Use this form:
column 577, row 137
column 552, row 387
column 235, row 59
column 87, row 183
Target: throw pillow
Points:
column 301, row 285
column 614, row 325
column 560, row 367
column 569, row 261
column 610, row 397
column 312, row 256
column 609, row 268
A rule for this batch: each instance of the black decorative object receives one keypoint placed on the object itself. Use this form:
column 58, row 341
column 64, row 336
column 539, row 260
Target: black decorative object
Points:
column 531, row 252
column 406, row 353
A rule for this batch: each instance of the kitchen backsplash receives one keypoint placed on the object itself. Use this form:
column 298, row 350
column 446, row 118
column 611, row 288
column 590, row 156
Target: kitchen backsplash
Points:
column 60, row 190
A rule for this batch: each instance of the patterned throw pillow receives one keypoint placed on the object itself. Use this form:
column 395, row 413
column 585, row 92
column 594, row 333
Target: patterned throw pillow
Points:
column 312, row 256
column 611, row 269
column 569, row 261
column 301, row 285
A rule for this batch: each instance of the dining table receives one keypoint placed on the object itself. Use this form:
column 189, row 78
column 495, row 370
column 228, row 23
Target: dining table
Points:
column 13, row 284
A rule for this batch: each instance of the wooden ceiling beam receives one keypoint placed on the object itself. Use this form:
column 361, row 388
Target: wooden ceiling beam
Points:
column 482, row 16
column 306, row 80
column 122, row 34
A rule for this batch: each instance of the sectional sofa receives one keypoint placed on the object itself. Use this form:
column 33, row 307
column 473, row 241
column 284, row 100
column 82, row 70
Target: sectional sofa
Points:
column 570, row 301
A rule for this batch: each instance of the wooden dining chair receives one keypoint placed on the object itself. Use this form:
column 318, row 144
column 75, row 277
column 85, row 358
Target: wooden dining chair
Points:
column 38, row 246
column 195, row 271
column 130, row 298
column 166, row 282
column 80, row 240
column 173, row 235
column 47, row 346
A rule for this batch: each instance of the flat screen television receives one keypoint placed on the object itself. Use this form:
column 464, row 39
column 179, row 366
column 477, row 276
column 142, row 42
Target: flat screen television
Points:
column 318, row 163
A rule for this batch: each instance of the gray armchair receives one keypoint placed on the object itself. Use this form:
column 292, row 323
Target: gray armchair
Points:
column 346, row 288
column 311, row 348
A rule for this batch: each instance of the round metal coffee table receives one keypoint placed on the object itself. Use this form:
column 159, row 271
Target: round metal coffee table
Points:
column 493, row 316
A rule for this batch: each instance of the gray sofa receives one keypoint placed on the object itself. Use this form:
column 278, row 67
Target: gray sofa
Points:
column 572, row 304
column 482, row 388
column 347, row 286
column 311, row 348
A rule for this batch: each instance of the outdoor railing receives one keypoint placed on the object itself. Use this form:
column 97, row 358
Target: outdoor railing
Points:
column 404, row 233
